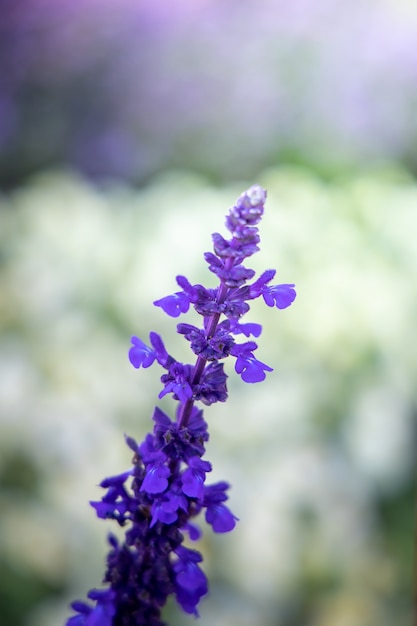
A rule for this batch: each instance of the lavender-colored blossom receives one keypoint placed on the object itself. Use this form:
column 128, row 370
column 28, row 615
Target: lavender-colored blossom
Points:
column 280, row 295
column 181, row 442
column 158, row 498
column 175, row 304
column 220, row 518
column 210, row 348
column 314, row 95
column 177, row 382
column 190, row 580
column 140, row 355
column 161, row 354
column 217, row 514
column 232, row 276
column 156, row 478
column 212, row 386
column 194, row 476
column 250, row 369
column 101, row 615
column 165, row 508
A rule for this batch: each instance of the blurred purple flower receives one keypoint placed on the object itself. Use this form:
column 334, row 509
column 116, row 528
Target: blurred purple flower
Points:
column 298, row 87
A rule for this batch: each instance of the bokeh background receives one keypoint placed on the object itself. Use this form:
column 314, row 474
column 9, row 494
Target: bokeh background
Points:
column 127, row 130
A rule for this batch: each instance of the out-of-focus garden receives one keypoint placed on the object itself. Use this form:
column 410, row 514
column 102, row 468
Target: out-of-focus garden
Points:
column 127, row 130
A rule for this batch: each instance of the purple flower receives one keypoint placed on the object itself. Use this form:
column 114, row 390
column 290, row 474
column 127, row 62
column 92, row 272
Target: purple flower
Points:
column 220, row 518
column 257, row 288
column 194, row 531
column 175, row 304
column 212, row 386
column 177, row 382
column 193, row 478
column 218, row 515
column 140, row 355
column 180, row 442
column 250, row 369
column 232, row 276
column 279, row 295
column 190, row 580
column 189, row 290
column 156, row 479
column 161, row 354
column 158, row 498
column 117, row 501
column 245, row 329
column 101, row 615
column 165, row 509
column 248, row 209
column 210, row 348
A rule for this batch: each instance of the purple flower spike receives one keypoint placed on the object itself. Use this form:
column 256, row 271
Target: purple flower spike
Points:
column 157, row 499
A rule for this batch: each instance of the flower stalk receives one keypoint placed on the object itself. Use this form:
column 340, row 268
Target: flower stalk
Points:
column 159, row 497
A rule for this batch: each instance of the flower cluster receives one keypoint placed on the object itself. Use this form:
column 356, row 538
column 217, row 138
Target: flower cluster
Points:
column 159, row 497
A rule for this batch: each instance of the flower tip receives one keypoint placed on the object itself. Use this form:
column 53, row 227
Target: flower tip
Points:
column 256, row 195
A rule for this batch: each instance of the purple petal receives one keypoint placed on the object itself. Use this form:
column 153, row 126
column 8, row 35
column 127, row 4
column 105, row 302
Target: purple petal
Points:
column 161, row 354
column 190, row 580
column 250, row 369
column 81, row 607
column 216, row 493
column 259, row 285
column 132, row 443
column 76, row 620
column 194, row 531
column 191, row 577
column 163, row 512
column 105, row 510
column 193, row 483
column 220, row 518
column 280, row 296
column 193, row 478
column 156, row 480
column 161, row 419
column 246, row 329
column 140, row 354
column 116, row 480
column 174, row 304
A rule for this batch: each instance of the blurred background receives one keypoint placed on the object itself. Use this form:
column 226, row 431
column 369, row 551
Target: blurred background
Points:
column 127, row 130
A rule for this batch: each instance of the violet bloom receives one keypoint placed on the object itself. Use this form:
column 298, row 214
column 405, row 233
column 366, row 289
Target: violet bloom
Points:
column 159, row 497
